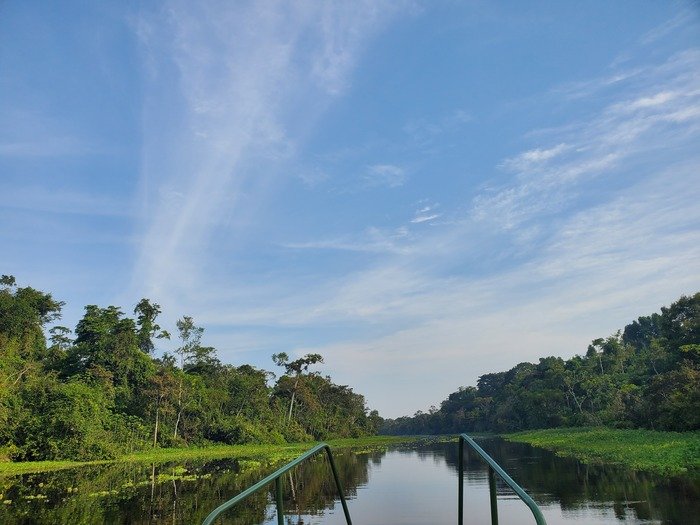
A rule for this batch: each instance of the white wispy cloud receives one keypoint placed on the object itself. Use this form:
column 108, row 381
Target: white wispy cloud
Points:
column 387, row 175
column 586, row 88
column 343, row 31
column 436, row 309
column 630, row 250
column 424, row 218
column 242, row 80
column 313, row 177
column 375, row 240
column 533, row 158
column 650, row 101
column 685, row 20
column 604, row 266
column 679, row 21
column 426, row 212
column 663, row 109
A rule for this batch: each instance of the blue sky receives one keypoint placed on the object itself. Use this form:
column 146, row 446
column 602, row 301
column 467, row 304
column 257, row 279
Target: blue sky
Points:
column 420, row 192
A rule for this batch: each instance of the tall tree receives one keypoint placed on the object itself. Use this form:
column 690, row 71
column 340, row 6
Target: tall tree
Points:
column 147, row 313
column 100, row 392
column 192, row 356
column 106, row 347
column 295, row 368
column 23, row 314
column 160, row 390
column 190, row 338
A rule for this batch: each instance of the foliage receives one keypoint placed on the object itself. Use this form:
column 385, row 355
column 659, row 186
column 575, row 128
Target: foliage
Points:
column 180, row 485
column 66, row 421
column 666, row 453
column 645, row 376
column 101, row 392
column 266, row 452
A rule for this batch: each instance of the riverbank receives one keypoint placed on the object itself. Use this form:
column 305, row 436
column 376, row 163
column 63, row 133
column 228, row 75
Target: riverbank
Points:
column 268, row 453
column 665, row 453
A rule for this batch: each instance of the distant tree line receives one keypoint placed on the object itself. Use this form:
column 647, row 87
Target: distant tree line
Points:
column 644, row 376
column 99, row 391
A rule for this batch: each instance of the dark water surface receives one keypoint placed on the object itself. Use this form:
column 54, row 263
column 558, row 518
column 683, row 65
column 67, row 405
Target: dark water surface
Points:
column 399, row 485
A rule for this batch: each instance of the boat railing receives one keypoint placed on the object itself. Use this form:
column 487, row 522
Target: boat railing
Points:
column 494, row 468
column 276, row 476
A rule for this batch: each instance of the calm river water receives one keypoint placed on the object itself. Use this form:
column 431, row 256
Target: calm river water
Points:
column 399, row 485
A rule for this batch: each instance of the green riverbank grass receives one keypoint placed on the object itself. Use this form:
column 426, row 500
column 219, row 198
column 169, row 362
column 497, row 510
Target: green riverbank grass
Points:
column 268, row 453
column 665, row 453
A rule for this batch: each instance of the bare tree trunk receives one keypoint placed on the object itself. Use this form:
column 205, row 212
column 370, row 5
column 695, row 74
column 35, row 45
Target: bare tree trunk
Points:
column 179, row 409
column 580, row 409
column 653, row 365
column 177, row 422
column 19, row 376
column 291, row 485
column 155, row 432
column 174, row 499
column 153, row 484
column 291, row 403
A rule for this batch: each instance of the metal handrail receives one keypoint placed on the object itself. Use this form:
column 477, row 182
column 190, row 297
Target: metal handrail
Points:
column 494, row 468
column 276, row 477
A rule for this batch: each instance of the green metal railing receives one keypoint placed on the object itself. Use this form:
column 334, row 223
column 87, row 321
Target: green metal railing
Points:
column 494, row 469
column 276, row 477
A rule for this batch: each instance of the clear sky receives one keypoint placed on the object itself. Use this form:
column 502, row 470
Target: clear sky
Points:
column 421, row 192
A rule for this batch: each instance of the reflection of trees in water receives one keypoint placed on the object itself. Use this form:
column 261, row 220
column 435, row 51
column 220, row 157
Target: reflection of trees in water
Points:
column 129, row 493
column 310, row 488
column 574, row 485
column 150, row 494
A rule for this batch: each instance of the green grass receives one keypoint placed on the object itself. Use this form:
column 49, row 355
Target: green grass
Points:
column 665, row 453
column 268, row 453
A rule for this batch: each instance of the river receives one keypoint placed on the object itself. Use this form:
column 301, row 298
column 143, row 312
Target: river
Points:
column 407, row 484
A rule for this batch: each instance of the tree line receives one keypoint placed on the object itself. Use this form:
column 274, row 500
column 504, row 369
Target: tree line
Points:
column 100, row 391
column 646, row 375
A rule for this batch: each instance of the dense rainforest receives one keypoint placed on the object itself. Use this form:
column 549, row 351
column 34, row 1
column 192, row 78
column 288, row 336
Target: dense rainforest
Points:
column 100, row 391
column 644, row 376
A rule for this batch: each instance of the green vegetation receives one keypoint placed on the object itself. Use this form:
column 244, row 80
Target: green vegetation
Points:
column 99, row 392
column 182, row 491
column 644, row 376
column 666, row 453
column 255, row 453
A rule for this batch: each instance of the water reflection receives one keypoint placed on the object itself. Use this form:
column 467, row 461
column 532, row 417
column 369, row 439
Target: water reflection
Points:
column 403, row 485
